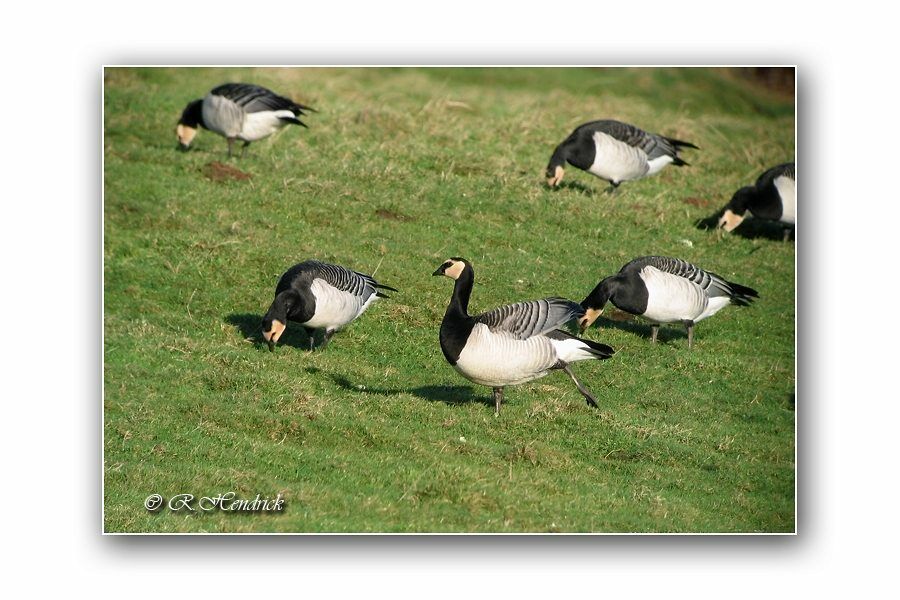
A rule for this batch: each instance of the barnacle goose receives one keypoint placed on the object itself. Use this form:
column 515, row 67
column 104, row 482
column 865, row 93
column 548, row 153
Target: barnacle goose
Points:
column 665, row 290
column 238, row 111
column 511, row 344
column 319, row 295
column 614, row 151
column 773, row 197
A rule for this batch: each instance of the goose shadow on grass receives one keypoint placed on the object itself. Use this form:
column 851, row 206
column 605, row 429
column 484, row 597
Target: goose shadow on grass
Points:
column 667, row 332
column 448, row 394
column 250, row 326
column 749, row 228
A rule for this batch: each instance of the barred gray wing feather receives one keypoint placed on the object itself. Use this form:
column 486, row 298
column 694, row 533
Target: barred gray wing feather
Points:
column 653, row 145
column 344, row 279
column 527, row 319
column 254, row 98
column 784, row 170
column 712, row 284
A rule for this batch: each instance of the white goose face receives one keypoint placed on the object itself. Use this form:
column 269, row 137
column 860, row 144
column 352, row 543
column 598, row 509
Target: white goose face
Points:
column 554, row 179
column 590, row 315
column 185, row 135
column 271, row 336
column 452, row 268
column 730, row 220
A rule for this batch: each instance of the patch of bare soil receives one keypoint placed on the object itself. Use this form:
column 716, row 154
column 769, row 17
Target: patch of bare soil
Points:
column 221, row 172
column 698, row 202
column 391, row 215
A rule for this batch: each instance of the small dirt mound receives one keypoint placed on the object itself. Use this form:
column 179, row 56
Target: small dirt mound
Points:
column 391, row 215
column 698, row 202
column 217, row 171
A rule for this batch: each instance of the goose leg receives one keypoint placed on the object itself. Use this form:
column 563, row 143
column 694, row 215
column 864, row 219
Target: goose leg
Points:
column 328, row 334
column 498, row 399
column 689, row 325
column 311, row 333
column 787, row 234
column 244, row 149
column 654, row 329
column 230, row 147
column 591, row 401
column 613, row 187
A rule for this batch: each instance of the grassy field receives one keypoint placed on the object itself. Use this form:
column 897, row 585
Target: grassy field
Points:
column 400, row 169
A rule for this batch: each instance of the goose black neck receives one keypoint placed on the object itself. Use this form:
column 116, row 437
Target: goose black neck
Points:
column 600, row 295
column 280, row 308
column 560, row 155
column 741, row 200
column 457, row 324
column 462, row 290
column 193, row 115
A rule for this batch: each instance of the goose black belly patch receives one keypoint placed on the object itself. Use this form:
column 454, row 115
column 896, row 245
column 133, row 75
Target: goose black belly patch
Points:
column 454, row 335
column 632, row 297
column 768, row 204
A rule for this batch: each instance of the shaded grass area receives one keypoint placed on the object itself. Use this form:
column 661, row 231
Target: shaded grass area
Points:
column 400, row 169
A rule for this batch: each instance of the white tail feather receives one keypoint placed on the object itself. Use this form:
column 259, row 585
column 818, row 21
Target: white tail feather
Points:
column 571, row 350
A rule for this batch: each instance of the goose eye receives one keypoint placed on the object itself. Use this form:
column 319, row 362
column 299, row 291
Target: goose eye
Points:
column 447, row 264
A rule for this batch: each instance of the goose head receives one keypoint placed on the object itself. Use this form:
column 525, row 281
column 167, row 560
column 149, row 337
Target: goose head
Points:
column 191, row 120
column 555, row 175
column 736, row 209
column 729, row 220
column 595, row 302
column 272, row 330
column 452, row 267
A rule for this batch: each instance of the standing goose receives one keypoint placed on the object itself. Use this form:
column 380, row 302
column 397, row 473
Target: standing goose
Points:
column 773, row 197
column 665, row 290
column 614, row 151
column 319, row 296
column 511, row 344
column 238, row 111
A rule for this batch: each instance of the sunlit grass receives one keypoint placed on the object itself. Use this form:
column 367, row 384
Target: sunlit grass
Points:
column 399, row 170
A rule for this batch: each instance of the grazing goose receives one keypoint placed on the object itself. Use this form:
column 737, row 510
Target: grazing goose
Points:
column 614, row 151
column 773, row 197
column 511, row 344
column 665, row 290
column 319, row 296
column 238, row 111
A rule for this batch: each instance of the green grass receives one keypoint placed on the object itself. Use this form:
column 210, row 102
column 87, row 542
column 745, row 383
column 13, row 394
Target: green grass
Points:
column 400, row 169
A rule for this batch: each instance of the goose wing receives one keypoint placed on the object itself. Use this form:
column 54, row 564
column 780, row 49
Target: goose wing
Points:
column 527, row 319
column 341, row 278
column 714, row 285
column 255, row 98
column 785, row 170
column 344, row 279
column 653, row 145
